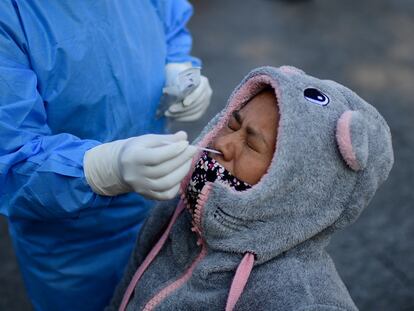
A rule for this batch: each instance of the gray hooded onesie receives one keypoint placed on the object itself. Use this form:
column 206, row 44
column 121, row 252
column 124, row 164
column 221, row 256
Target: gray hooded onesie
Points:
column 264, row 248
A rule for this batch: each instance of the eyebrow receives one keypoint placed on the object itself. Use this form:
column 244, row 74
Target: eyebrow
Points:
column 250, row 131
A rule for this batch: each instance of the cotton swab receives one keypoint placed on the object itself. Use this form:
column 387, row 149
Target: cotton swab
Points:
column 201, row 148
column 208, row 149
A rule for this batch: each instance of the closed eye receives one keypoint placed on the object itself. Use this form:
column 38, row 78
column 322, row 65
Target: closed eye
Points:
column 250, row 145
column 256, row 140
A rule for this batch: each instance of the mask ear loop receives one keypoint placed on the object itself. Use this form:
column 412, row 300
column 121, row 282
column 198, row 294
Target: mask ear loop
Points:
column 239, row 281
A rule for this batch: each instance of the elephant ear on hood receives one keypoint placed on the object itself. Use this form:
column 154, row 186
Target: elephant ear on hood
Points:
column 333, row 150
column 364, row 141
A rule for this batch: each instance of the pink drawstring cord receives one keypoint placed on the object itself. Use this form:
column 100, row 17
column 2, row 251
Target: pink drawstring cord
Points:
column 239, row 281
column 237, row 286
column 150, row 257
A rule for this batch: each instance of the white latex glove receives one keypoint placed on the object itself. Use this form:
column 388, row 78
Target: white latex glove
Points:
column 195, row 104
column 143, row 164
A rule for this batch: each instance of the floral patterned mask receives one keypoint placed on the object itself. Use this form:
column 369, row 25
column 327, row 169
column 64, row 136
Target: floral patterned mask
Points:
column 209, row 170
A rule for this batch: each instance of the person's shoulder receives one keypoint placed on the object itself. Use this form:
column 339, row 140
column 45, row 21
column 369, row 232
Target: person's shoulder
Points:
column 157, row 221
column 163, row 210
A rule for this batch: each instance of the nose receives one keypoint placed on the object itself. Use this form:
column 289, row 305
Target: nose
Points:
column 226, row 144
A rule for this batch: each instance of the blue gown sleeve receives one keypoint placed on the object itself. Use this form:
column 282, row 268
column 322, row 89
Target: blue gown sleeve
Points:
column 175, row 14
column 40, row 171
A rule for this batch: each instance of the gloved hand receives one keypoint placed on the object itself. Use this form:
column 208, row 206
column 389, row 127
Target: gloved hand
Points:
column 152, row 165
column 193, row 106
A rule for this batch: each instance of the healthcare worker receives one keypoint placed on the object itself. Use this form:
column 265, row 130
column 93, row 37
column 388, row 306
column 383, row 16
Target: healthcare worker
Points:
column 85, row 77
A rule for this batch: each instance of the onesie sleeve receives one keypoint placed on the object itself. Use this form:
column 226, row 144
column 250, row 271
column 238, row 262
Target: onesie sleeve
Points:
column 41, row 174
column 175, row 15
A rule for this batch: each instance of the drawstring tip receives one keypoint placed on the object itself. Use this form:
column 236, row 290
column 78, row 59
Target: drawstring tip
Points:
column 239, row 281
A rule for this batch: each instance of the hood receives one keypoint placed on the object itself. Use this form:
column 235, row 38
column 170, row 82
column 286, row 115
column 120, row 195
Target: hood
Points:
column 333, row 150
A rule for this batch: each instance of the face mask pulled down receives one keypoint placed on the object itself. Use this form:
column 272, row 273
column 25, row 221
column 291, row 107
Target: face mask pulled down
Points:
column 209, row 170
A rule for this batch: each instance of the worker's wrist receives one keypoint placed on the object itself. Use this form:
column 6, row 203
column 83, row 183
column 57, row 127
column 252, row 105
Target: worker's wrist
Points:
column 101, row 169
column 173, row 69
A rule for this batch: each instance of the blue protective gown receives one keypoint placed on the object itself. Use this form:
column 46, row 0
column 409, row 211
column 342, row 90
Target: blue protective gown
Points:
column 74, row 74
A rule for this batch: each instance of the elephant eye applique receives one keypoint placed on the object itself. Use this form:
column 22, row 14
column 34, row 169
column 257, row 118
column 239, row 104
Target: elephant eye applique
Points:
column 316, row 97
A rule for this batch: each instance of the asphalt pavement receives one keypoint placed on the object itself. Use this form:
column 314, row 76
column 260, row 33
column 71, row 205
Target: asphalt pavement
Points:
column 366, row 45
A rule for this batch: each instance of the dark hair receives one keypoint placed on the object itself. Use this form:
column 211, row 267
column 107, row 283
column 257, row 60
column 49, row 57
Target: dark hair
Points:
column 266, row 88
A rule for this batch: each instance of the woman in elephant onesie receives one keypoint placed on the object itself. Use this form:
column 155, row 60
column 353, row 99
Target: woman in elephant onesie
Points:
column 300, row 158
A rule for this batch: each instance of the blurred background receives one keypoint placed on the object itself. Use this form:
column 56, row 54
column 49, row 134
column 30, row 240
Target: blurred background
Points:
column 366, row 45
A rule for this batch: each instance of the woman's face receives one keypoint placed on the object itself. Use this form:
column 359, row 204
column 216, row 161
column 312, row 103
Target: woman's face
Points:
column 247, row 142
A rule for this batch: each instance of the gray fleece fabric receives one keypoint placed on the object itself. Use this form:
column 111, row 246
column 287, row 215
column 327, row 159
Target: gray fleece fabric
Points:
column 333, row 150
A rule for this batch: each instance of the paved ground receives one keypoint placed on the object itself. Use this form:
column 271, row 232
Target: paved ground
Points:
column 367, row 45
